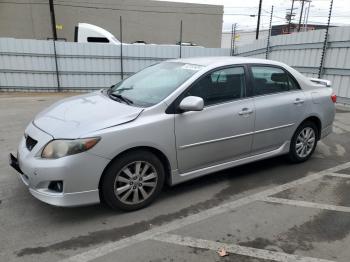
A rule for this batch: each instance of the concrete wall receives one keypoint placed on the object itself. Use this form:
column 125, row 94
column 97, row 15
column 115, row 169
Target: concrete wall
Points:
column 151, row 21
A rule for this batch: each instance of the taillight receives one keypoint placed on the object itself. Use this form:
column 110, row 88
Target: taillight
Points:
column 334, row 98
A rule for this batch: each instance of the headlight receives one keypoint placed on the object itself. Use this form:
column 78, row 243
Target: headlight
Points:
column 60, row 148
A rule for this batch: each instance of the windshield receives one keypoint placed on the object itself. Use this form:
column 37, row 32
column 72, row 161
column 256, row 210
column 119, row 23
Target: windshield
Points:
column 151, row 85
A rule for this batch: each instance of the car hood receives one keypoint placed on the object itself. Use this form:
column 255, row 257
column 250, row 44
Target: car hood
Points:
column 77, row 116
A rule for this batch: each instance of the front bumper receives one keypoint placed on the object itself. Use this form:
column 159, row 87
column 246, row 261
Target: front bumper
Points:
column 80, row 173
column 14, row 163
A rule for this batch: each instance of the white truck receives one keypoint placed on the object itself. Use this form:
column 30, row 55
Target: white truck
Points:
column 87, row 33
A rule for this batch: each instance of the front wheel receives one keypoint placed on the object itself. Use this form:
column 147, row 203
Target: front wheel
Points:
column 303, row 143
column 133, row 181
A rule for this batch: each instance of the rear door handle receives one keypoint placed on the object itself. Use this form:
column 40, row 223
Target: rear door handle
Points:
column 298, row 101
column 245, row 111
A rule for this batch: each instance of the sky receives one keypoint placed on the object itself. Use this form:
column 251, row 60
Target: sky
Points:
column 238, row 11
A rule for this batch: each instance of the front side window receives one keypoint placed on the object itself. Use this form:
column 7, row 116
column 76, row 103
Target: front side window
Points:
column 220, row 86
column 269, row 80
column 152, row 84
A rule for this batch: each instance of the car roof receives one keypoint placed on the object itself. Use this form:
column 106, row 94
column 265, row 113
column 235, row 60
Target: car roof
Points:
column 224, row 60
column 217, row 61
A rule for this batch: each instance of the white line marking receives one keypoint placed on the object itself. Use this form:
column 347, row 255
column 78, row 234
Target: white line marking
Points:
column 340, row 150
column 342, row 126
column 337, row 130
column 176, row 224
column 236, row 249
column 301, row 203
column 339, row 175
column 324, row 149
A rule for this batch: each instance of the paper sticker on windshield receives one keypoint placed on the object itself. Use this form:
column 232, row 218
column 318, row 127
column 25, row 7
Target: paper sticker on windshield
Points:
column 192, row 67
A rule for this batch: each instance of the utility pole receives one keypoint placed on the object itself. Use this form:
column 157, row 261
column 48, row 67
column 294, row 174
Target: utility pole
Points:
column 290, row 17
column 258, row 24
column 53, row 20
column 301, row 14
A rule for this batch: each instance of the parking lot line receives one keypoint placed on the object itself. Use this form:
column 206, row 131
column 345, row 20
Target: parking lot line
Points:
column 176, row 224
column 343, row 127
column 338, row 130
column 235, row 249
column 301, row 203
column 339, row 175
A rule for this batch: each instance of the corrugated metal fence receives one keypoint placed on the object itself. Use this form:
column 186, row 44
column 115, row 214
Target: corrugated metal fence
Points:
column 31, row 64
column 303, row 52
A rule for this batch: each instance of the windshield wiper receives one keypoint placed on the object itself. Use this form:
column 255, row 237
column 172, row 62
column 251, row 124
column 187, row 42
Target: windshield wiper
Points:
column 121, row 97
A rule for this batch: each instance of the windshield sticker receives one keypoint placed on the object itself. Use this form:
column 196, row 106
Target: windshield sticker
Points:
column 192, row 67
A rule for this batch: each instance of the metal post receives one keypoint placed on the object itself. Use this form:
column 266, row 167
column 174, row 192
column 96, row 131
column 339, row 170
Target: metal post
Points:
column 307, row 16
column 181, row 39
column 269, row 36
column 290, row 18
column 258, row 23
column 53, row 20
column 234, row 39
column 231, row 50
column 305, row 11
column 56, row 66
column 301, row 14
column 121, row 48
column 325, row 42
column 54, row 34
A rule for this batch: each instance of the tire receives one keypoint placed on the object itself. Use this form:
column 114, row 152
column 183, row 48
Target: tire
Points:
column 124, row 182
column 301, row 147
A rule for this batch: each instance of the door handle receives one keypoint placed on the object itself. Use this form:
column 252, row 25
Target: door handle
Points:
column 245, row 111
column 298, row 101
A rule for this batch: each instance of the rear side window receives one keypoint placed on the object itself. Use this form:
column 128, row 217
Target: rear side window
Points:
column 220, row 86
column 269, row 80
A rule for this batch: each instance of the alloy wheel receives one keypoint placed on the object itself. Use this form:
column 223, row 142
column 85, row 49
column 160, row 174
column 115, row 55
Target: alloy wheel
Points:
column 305, row 142
column 135, row 182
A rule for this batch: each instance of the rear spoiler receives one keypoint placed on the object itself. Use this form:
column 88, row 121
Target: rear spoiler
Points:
column 323, row 82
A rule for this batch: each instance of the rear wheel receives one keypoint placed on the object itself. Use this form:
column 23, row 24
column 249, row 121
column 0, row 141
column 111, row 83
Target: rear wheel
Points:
column 133, row 181
column 304, row 142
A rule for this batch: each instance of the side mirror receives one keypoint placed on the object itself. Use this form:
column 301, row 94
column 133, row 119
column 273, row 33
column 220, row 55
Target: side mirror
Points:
column 192, row 103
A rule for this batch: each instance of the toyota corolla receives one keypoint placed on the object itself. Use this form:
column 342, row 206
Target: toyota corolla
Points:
column 171, row 122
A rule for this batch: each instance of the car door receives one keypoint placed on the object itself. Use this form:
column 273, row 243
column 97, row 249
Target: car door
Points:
column 222, row 131
column 279, row 105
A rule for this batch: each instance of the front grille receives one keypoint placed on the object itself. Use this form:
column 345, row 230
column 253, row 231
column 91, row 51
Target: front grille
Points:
column 30, row 143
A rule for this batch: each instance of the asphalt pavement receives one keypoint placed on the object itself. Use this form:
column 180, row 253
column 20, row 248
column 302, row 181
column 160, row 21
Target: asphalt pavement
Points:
column 266, row 211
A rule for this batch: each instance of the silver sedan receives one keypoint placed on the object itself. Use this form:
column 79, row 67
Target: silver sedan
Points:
column 169, row 123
